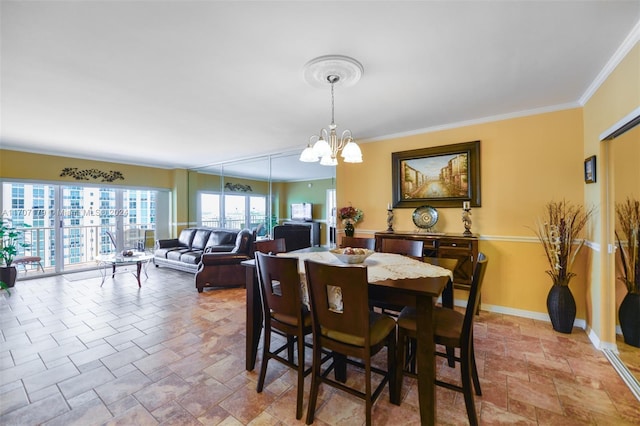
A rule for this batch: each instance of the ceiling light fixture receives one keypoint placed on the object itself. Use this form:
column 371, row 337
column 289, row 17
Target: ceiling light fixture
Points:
column 325, row 146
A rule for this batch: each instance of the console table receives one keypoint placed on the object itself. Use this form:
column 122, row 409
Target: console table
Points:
column 453, row 246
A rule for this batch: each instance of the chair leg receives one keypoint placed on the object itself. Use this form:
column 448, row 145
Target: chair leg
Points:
column 265, row 359
column 401, row 356
column 465, row 371
column 392, row 365
column 300, row 377
column 474, row 371
column 290, row 344
column 367, row 381
column 315, row 382
column 411, row 354
column 451, row 353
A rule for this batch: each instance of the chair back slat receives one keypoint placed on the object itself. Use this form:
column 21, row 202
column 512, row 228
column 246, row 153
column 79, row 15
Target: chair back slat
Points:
column 412, row 248
column 358, row 242
column 279, row 284
column 353, row 318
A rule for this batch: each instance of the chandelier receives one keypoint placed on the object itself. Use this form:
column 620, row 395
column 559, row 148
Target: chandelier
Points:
column 326, row 145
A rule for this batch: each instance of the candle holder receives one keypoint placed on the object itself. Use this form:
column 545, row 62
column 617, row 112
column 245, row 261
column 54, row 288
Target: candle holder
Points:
column 466, row 220
column 389, row 220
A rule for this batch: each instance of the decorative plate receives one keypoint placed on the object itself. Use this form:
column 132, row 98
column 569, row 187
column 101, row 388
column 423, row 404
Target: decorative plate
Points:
column 425, row 217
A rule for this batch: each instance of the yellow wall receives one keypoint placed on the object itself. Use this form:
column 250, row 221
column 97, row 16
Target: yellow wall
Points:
column 525, row 162
column 24, row 165
column 614, row 99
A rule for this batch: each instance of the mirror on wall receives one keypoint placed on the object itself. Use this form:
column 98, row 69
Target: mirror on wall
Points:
column 256, row 191
column 625, row 155
column 623, row 180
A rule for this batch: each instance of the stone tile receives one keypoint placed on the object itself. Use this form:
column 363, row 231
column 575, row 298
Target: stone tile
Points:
column 37, row 412
column 157, row 360
column 79, row 384
column 157, row 394
column 202, row 396
column 49, row 377
column 92, row 412
column 121, row 387
column 137, row 415
column 538, row 394
column 120, row 359
column 245, row 403
column 92, row 354
column 13, row 399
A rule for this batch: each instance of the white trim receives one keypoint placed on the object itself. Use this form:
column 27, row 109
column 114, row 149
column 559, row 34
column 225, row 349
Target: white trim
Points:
column 629, row 379
column 633, row 115
column 626, row 46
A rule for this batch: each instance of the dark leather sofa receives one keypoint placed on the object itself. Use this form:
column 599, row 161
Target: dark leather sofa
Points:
column 213, row 254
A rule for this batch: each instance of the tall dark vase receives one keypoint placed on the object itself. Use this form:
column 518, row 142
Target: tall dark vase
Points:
column 562, row 308
column 629, row 316
column 349, row 229
column 8, row 275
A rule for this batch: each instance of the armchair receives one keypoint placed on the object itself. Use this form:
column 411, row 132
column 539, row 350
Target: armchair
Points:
column 224, row 269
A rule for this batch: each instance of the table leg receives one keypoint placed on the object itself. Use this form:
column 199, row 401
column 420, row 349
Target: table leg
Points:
column 426, row 359
column 103, row 272
column 254, row 317
column 138, row 268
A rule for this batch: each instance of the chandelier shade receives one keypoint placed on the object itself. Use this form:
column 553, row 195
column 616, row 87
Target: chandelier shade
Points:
column 326, row 145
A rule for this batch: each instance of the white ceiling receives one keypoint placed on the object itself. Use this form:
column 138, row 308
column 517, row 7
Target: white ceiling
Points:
column 185, row 84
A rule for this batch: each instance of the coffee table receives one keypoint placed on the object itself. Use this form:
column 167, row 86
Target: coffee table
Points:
column 115, row 260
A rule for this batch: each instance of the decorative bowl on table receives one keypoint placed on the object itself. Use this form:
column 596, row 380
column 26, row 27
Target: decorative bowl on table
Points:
column 351, row 255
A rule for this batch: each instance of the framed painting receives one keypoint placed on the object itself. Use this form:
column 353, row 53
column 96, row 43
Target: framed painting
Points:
column 440, row 176
column 590, row 169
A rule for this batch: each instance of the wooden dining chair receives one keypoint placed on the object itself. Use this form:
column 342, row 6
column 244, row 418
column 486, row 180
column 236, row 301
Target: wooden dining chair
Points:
column 358, row 242
column 343, row 323
column 285, row 313
column 454, row 330
column 412, row 248
column 277, row 245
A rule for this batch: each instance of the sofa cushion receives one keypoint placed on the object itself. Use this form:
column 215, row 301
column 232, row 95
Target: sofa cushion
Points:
column 200, row 239
column 162, row 252
column 192, row 257
column 220, row 237
column 186, row 237
column 176, row 254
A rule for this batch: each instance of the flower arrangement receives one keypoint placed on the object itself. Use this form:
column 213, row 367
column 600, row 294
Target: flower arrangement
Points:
column 350, row 215
column 628, row 214
column 557, row 231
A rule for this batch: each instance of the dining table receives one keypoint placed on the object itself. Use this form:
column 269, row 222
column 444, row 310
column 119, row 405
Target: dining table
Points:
column 398, row 279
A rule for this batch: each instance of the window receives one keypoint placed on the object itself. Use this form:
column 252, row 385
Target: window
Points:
column 234, row 212
column 68, row 223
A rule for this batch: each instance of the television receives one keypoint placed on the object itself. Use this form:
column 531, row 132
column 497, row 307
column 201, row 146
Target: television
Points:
column 301, row 211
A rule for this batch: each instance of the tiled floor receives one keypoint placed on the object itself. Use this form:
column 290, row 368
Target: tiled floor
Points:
column 75, row 353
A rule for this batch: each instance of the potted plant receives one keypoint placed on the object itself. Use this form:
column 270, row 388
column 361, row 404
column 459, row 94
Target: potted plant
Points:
column 628, row 214
column 558, row 231
column 10, row 240
column 350, row 216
